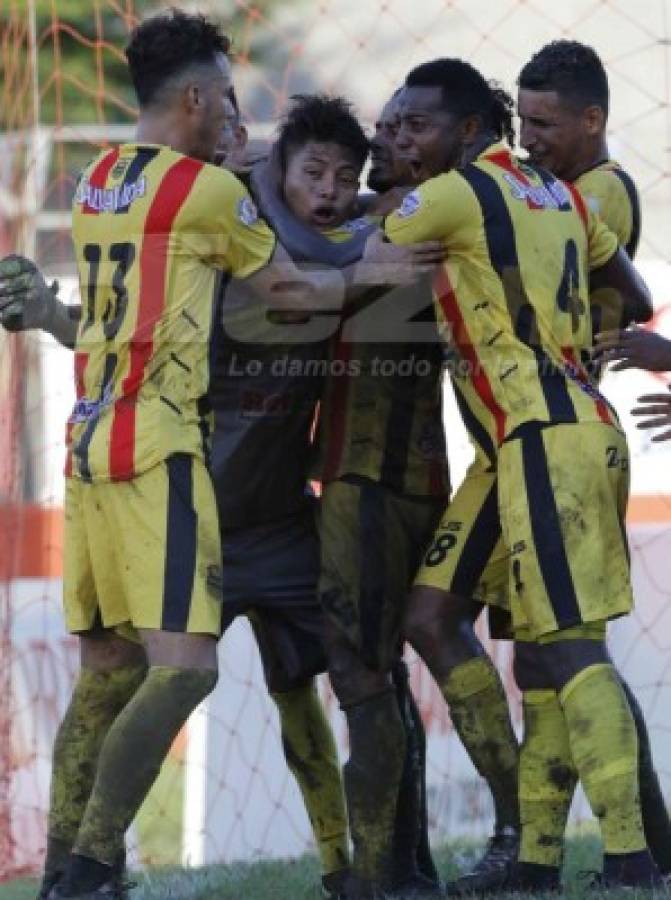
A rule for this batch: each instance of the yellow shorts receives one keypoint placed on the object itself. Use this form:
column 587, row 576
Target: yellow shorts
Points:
column 467, row 555
column 562, row 496
column 145, row 552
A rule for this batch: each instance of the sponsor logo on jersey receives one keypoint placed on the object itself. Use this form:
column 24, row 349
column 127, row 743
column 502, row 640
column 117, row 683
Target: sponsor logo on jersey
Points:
column 247, row 212
column 409, row 206
column 86, row 409
column 110, row 199
column 553, row 195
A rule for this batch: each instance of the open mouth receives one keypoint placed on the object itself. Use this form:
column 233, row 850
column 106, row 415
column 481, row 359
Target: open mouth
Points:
column 415, row 168
column 323, row 216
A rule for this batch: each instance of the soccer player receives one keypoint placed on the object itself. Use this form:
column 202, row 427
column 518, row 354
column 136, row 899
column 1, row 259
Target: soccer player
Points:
column 514, row 293
column 142, row 554
column 563, row 104
column 495, row 760
column 320, row 183
column 264, row 396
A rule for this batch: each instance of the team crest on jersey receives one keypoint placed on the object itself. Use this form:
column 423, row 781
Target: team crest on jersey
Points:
column 410, row 205
column 119, row 169
column 247, row 212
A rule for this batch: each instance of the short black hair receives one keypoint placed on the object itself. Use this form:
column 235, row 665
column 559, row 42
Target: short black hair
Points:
column 466, row 92
column 317, row 117
column 570, row 68
column 166, row 45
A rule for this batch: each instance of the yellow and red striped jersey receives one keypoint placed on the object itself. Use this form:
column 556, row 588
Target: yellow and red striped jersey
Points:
column 512, row 297
column 610, row 192
column 151, row 228
column 381, row 410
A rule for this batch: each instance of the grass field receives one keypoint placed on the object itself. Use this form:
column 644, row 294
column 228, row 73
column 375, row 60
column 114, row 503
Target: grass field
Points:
column 299, row 879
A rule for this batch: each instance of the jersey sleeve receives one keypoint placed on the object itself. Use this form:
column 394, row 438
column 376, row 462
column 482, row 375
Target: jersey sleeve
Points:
column 223, row 226
column 602, row 242
column 605, row 195
column 442, row 208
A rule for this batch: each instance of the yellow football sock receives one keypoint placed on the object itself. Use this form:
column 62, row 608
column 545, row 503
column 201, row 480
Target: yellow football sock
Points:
column 480, row 714
column 605, row 751
column 312, row 757
column 96, row 701
column 547, row 779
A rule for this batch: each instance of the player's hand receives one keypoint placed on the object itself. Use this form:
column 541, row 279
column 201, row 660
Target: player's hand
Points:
column 633, row 348
column 383, row 204
column 26, row 301
column 392, row 264
column 241, row 161
column 659, row 407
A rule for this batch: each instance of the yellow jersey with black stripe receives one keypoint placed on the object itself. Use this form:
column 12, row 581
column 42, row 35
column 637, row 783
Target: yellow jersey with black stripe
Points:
column 381, row 410
column 610, row 192
column 151, row 227
column 512, row 297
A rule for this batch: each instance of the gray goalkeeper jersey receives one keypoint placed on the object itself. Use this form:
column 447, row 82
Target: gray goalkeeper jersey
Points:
column 264, row 392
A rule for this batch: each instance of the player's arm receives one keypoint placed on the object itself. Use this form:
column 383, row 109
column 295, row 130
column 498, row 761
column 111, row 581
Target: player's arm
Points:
column 442, row 210
column 285, row 286
column 614, row 282
column 620, row 289
column 27, row 302
column 367, row 260
column 633, row 348
column 657, row 406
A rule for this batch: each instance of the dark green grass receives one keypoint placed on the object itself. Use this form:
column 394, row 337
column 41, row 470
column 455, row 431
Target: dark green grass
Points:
column 299, row 879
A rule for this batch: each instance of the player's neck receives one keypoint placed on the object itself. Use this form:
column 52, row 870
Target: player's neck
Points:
column 479, row 145
column 161, row 128
column 593, row 157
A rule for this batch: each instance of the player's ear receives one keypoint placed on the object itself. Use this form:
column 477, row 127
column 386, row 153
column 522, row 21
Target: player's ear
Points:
column 470, row 129
column 241, row 136
column 594, row 119
column 192, row 96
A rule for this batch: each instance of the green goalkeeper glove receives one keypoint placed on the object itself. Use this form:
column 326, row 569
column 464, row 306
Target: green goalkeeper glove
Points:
column 26, row 301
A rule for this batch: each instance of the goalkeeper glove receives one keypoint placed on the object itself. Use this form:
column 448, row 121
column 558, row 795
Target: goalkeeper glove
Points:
column 26, row 301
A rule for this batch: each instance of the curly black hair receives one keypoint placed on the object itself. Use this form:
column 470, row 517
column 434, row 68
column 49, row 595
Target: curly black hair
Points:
column 317, row 117
column 466, row 92
column 166, row 45
column 570, row 68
